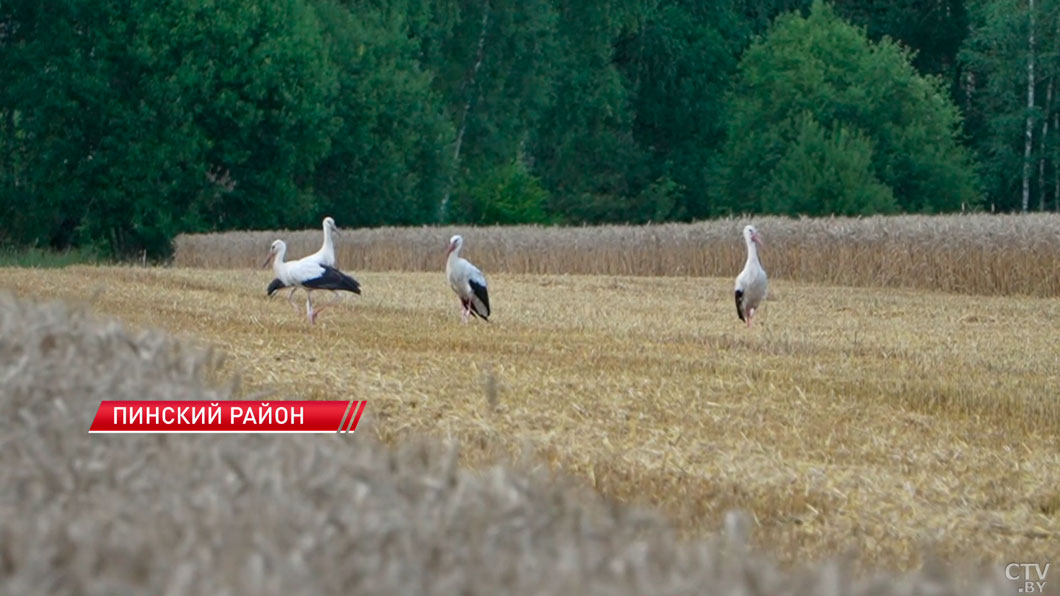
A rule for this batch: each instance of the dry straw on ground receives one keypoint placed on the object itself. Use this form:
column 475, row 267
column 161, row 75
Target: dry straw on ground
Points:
column 186, row 514
column 979, row 254
column 881, row 422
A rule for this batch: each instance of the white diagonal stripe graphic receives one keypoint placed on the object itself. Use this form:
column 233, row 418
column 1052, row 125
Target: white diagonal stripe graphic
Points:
column 357, row 409
column 342, row 422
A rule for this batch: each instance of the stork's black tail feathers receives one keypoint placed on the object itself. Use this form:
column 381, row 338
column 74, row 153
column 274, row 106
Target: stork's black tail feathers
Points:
column 482, row 294
column 333, row 279
column 274, row 286
column 470, row 306
column 739, row 304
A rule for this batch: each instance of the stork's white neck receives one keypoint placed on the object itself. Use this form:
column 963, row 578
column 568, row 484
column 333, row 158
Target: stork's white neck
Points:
column 752, row 252
column 277, row 261
column 454, row 255
column 328, row 245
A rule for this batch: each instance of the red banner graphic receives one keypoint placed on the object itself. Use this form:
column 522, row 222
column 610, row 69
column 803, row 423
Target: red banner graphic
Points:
column 150, row 417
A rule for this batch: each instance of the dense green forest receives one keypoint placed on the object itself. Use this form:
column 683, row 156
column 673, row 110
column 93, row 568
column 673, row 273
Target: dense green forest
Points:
column 123, row 123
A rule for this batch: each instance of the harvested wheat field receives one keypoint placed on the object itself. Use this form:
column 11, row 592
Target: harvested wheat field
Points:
column 882, row 422
column 225, row 514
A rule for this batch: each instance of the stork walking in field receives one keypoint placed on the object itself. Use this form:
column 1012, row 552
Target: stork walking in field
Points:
column 324, row 256
column 309, row 275
column 467, row 281
column 752, row 283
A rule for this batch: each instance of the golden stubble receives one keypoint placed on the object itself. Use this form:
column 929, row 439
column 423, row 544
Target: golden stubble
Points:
column 879, row 421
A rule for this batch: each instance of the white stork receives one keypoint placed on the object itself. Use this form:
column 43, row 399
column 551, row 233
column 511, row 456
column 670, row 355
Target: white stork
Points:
column 309, row 275
column 467, row 281
column 752, row 283
column 324, row 256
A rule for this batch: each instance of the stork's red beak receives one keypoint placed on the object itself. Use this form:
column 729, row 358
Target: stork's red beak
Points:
column 758, row 239
column 452, row 245
column 268, row 260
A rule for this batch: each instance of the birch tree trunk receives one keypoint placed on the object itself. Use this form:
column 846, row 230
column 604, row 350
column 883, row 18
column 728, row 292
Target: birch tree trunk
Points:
column 1028, row 145
column 1041, row 144
column 470, row 86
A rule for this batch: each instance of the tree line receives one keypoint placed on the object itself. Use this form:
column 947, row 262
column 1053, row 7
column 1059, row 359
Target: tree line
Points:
column 123, row 123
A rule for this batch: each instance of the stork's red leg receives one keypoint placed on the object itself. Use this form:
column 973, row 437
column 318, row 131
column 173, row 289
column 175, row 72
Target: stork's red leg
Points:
column 290, row 298
column 310, row 313
column 317, row 310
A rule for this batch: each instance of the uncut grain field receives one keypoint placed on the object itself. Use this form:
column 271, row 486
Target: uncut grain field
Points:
column 993, row 255
column 878, row 422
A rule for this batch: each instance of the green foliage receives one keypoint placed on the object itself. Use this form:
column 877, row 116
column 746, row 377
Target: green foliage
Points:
column 507, row 194
column 141, row 119
column 996, row 56
column 935, row 30
column 826, row 172
column 587, row 154
column 679, row 64
column 759, row 14
column 866, row 95
column 47, row 259
column 125, row 123
column 662, row 200
column 494, row 65
column 388, row 161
